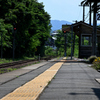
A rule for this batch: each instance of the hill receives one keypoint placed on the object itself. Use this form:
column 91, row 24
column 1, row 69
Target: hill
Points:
column 57, row 24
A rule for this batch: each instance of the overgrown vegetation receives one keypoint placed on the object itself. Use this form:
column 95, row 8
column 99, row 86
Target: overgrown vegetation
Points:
column 4, row 70
column 5, row 61
column 10, row 60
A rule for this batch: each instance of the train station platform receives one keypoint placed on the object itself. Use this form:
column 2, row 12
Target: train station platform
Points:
column 56, row 80
column 6, row 77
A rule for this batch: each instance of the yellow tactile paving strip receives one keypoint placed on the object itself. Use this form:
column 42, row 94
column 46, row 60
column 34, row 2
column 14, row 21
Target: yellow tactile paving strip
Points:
column 32, row 89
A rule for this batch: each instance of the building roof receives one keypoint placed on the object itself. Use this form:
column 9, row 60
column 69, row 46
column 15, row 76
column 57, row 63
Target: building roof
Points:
column 67, row 29
column 54, row 33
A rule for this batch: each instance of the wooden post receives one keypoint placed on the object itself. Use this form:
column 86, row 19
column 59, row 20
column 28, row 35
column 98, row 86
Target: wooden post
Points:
column 94, row 35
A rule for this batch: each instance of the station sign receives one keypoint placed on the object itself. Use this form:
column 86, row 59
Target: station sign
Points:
column 98, row 16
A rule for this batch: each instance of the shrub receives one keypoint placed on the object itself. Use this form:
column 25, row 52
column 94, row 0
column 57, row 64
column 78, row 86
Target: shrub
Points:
column 76, row 51
column 49, row 51
column 61, row 52
column 69, row 51
column 96, row 63
column 92, row 58
column 97, row 60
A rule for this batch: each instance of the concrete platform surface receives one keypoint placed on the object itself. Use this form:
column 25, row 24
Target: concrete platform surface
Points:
column 32, row 89
column 14, row 74
column 74, row 81
column 65, row 80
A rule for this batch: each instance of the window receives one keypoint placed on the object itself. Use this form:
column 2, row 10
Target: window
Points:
column 86, row 40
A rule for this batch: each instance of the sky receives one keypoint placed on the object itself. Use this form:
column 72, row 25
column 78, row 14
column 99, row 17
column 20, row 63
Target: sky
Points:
column 68, row 10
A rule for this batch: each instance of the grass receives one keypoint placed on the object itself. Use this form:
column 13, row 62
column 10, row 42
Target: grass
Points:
column 54, row 77
column 96, row 66
column 2, row 61
column 58, row 57
column 17, row 76
column 5, row 61
column 5, row 70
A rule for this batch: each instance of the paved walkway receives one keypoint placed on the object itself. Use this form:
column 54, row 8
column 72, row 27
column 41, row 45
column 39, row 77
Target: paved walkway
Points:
column 12, row 80
column 73, row 81
column 14, row 74
column 32, row 89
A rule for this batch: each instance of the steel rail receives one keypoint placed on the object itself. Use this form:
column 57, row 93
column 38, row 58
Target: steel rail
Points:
column 17, row 63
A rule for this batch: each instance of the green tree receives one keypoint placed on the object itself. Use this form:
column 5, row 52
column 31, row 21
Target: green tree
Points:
column 5, row 36
column 49, row 51
column 32, row 25
column 60, row 42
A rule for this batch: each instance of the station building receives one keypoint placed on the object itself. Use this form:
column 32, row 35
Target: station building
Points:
column 84, row 32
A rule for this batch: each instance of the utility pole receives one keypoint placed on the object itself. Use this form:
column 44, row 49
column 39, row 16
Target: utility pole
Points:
column 83, row 13
column 65, row 43
column 94, row 35
column 90, row 14
column 1, row 46
column 13, row 45
column 14, row 28
column 71, row 41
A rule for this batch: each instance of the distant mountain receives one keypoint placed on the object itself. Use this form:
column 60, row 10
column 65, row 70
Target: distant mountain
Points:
column 57, row 24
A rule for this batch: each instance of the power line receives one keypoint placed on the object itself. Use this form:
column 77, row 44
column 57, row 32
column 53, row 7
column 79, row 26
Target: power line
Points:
column 87, row 20
column 87, row 15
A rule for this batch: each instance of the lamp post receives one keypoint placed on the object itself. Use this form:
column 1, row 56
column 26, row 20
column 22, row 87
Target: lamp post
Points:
column 14, row 31
column 71, row 41
column 65, row 43
column 94, row 34
column 1, row 45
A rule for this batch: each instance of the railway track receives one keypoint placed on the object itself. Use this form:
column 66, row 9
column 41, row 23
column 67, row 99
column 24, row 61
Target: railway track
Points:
column 16, row 64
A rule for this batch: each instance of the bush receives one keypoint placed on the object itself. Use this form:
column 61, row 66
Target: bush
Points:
column 50, row 52
column 61, row 52
column 76, row 51
column 92, row 58
column 97, row 60
column 96, row 63
column 69, row 51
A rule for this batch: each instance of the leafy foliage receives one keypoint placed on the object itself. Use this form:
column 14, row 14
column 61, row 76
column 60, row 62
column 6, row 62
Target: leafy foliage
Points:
column 60, row 42
column 92, row 58
column 49, row 52
column 96, row 63
column 32, row 25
